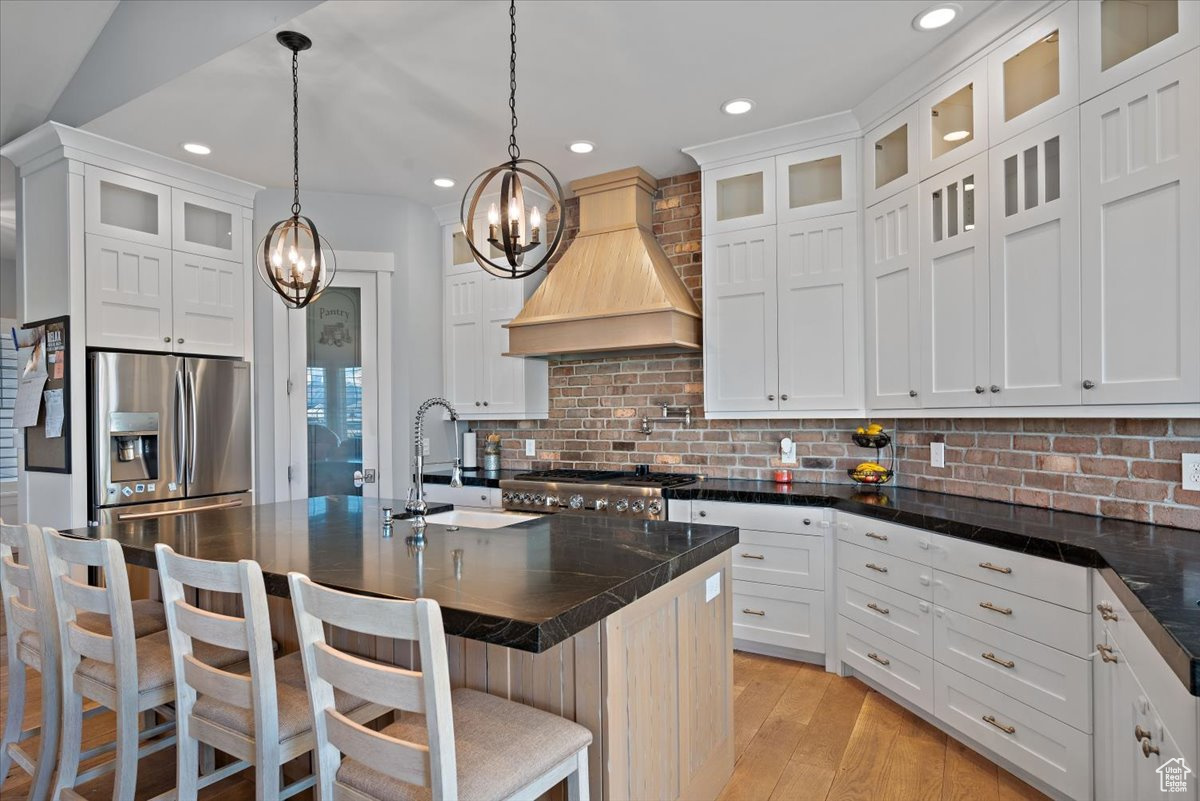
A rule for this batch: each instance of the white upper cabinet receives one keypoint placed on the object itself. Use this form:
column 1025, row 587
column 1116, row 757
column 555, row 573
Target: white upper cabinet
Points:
column 205, row 226
column 128, row 295
column 740, row 196
column 741, row 332
column 893, row 308
column 817, row 182
column 1034, row 265
column 890, row 157
column 953, row 120
column 1034, row 76
column 819, row 302
column 954, row 286
column 125, row 207
column 502, row 384
column 463, row 339
column 208, row 302
column 1140, row 242
column 1121, row 39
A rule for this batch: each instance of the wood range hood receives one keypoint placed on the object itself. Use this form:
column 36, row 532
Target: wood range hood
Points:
column 613, row 290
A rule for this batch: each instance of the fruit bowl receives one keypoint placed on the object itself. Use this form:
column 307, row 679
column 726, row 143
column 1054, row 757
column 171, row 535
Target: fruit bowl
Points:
column 870, row 476
column 880, row 440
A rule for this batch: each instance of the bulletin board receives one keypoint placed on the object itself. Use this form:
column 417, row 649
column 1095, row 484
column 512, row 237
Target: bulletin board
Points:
column 52, row 454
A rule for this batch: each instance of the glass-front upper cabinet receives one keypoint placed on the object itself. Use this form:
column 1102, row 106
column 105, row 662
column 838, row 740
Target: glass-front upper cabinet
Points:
column 953, row 120
column 890, row 157
column 1033, row 76
column 205, row 226
column 817, row 181
column 739, row 196
column 1121, row 39
column 127, row 208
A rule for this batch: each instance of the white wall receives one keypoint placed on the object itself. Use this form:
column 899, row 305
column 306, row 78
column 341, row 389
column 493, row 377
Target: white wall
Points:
column 372, row 223
column 8, row 287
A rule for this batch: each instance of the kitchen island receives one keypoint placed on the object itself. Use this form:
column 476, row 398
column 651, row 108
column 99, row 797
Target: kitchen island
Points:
column 623, row 626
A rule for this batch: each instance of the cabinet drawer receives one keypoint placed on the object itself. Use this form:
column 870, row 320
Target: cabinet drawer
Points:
column 892, row 571
column 792, row 560
column 1043, row 677
column 481, row 497
column 903, row 617
column 784, row 616
column 1056, row 753
column 879, row 535
column 1044, row 622
column 899, row 669
column 1063, row 584
column 758, row 516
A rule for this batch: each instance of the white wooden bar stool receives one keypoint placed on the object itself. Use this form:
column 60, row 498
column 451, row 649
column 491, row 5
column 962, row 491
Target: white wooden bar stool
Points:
column 261, row 719
column 460, row 744
column 113, row 667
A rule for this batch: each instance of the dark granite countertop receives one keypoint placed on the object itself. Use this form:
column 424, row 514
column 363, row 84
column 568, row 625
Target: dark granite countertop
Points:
column 1154, row 570
column 528, row 586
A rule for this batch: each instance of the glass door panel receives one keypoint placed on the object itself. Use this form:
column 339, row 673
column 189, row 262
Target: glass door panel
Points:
column 1127, row 27
column 334, row 392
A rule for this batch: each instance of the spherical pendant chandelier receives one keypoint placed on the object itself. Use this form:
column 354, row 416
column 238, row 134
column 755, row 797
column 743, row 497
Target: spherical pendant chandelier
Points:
column 520, row 230
column 293, row 259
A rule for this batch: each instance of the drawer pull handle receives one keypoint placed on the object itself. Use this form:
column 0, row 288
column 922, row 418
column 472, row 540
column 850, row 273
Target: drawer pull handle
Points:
column 1008, row 663
column 1004, row 610
column 1140, row 734
column 758, row 612
column 1106, row 611
column 998, row 569
column 1006, row 729
column 1105, row 652
column 874, row 536
column 880, row 659
column 876, row 567
column 880, row 609
column 1148, row 749
column 752, row 556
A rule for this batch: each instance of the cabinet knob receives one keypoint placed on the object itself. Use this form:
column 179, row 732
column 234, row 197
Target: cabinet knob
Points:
column 770, row 397
column 1089, row 384
column 1140, row 734
column 166, row 339
column 703, row 514
column 783, row 397
column 1148, row 749
column 912, row 393
column 978, row 390
column 807, row 522
column 485, row 403
column 180, row 340
column 476, row 403
column 995, row 388
column 1106, row 652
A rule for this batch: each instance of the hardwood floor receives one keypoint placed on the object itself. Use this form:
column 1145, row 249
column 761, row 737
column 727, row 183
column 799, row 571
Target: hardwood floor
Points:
column 801, row 734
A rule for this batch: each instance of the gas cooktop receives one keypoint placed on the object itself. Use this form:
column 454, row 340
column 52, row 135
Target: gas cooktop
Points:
column 626, row 478
column 631, row 493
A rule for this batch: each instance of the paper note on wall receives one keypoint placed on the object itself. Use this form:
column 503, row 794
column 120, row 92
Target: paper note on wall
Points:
column 54, row 413
column 29, row 400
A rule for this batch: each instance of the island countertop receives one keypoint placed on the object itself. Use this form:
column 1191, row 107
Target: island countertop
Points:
column 528, row 586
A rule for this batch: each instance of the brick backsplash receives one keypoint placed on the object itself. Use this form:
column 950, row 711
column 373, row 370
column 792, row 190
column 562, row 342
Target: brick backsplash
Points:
column 1114, row 467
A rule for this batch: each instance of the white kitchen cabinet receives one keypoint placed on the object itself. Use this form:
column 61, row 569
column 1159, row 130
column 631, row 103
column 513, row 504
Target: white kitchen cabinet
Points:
column 1034, row 266
column 893, row 303
column 206, row 227
column 817, row 182
column 890, row 157
column 741, row 331
column 128, row 295
column 208, row 305
column 125, row 207
column 819, row 306
column 739, row 196
column 1140, row 251
column 953, row 120
column 1034, row 76
column 502, row 387
column 954, row 286
column 463, row 338
column 1121, row 39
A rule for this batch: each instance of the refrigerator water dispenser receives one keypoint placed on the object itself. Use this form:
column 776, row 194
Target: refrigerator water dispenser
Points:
column 133, row 451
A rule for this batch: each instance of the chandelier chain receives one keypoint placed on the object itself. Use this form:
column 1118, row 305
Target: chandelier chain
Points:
column 295, row 132
column 514, row 152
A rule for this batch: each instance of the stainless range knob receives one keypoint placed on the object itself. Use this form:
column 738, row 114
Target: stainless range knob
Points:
column 539, row 500
column 508, row 496
column 655, row 507
column 576, row 502
column 637, row 506
column 601, row 504
column 552, row 500
column 622, row 504
column 526, row 497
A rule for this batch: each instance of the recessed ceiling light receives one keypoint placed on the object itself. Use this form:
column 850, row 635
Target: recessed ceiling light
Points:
column 443, row 183
column 936, row 17
column 197, row 148
column 956, row 136
column 739, row 105
column 581, row 147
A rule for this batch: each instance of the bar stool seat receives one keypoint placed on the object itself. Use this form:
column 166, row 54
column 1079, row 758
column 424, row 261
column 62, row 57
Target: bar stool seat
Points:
column 148, row 617
column 155, row 670
column 501, row 747
column 291, row 696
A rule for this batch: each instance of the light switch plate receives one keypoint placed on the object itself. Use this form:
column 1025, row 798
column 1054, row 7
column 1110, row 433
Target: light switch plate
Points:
column 937, row 454
column 1191, row 471
column 712, row 587
column 530, row 448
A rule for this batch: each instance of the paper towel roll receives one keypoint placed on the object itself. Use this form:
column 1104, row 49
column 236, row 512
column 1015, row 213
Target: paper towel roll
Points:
column 470, row 454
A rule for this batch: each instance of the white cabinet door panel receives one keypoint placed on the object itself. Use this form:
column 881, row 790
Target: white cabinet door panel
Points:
column 741, row 333
column 739, row 196
column 205, row 226
column 904, row 618
column 128, row 295
column 817, row 182
column 953, row 120
column 819, row 314
column 463, row 347
column 1034, row 76
column 125, row 207
column 1140, row 202
column 209, row 300
column 503, row 387
column 788, row 617
column 1122, row 39
column 890, row 157
column 893, row 303
column 898, row 668
column 770, row 557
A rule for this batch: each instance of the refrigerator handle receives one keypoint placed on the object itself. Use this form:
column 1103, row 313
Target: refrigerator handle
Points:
column 191, row 392
column 180, row 432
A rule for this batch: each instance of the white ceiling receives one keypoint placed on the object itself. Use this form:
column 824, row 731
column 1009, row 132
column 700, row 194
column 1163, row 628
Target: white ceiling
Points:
column 41, row 46
column 394, row 94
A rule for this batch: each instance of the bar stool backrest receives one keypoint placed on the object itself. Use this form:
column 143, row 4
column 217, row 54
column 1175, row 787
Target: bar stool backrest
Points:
column 425, row 692
column 25, row 588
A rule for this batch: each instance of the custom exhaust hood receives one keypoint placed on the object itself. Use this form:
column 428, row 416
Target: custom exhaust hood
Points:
column 613, row 290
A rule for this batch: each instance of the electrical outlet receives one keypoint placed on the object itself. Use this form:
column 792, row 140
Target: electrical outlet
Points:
column 530, row 448
column 937, row 454
column 424, row 446
column 1191, row 471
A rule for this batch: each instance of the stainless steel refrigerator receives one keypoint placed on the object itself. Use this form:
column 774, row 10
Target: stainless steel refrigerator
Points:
column 169, row 434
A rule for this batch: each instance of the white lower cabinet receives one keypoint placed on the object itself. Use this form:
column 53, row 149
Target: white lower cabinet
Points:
column 902, row 670
column 898, row 615
column 788, row 560
column 463, row 497
column 785, row 617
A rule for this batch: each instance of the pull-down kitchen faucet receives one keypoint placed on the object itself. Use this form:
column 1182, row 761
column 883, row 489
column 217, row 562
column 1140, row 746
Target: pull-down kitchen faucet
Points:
column 416, row 505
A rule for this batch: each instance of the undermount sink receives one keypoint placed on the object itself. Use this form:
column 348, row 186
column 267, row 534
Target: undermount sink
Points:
column 471, row 519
